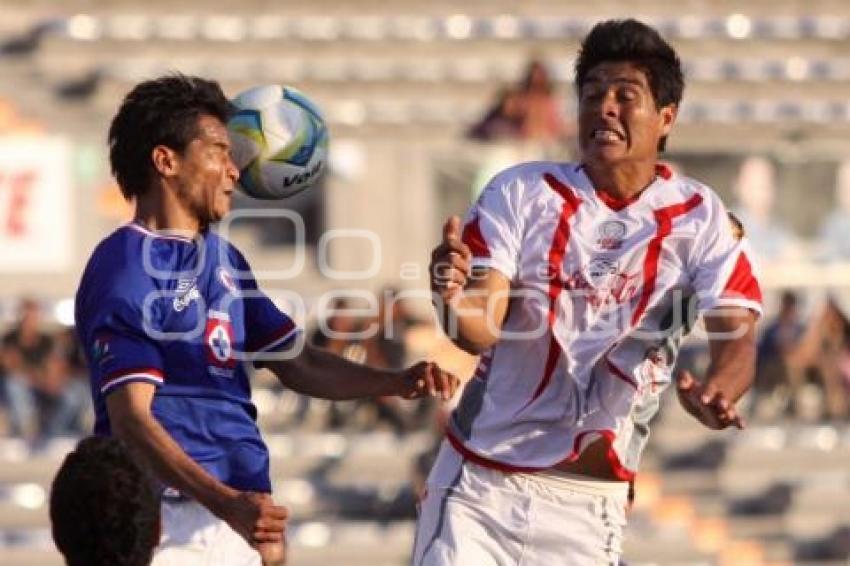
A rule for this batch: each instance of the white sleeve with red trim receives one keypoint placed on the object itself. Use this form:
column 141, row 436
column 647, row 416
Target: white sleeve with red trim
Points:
column 493, row 226
column 722, row 270
column 120, row 350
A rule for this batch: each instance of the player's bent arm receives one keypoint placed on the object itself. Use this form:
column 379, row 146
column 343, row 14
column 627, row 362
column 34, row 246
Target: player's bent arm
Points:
column 732, row 347
column 473, row 321
column 130, row 414
column 319, row 373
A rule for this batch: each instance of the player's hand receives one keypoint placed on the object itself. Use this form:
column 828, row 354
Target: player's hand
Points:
column 256, row 517
column 427, row 378
column 450, row 263
column 273, row 553
column 707, row 403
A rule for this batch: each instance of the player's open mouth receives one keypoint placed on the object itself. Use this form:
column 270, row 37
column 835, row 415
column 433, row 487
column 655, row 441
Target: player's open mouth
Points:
column 606, row 135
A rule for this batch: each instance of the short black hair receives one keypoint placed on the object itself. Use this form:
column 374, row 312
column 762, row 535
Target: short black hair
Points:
column 614, row 41
column 104, row 507
column 161, row 111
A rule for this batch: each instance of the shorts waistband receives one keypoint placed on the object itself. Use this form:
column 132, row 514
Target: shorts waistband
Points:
column 581, row 484
column 172, row 495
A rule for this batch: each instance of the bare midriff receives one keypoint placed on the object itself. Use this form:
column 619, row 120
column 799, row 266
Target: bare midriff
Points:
column 593, row 462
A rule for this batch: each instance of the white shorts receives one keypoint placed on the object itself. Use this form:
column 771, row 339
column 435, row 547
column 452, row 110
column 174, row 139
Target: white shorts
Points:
column 192, row 535
column 477, row 515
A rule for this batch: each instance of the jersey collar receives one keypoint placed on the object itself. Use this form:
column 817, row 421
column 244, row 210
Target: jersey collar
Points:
column 663, row 173
column 161, row 234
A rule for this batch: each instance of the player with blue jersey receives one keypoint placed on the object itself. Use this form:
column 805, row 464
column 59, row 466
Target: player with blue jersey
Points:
column 168, row 312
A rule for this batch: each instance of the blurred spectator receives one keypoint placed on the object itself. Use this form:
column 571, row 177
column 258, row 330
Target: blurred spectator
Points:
column 379, row 341
column 73, row 396
column 503, row 121
column 823, row 355
column 338, row 332
column 45, row 381
column 541, row 108
column 781, row 336
column 530, row 112
column 104, row 509
column 386, row 348
column 834, row 242
column 26, row 353
column 755, row 189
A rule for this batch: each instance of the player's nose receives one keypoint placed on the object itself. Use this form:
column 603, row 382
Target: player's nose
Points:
column 609, row 106
column 232, row 170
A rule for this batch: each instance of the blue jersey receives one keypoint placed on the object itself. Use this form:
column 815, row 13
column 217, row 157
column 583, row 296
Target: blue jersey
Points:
column 183, row 315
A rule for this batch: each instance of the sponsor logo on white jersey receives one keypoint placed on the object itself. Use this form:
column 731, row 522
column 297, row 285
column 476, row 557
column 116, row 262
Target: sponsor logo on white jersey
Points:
column 611, row 235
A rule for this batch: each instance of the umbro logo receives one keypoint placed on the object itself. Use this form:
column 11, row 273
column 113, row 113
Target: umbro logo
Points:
column 186, row 292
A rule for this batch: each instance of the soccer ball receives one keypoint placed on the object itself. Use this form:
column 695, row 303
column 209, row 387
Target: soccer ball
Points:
column 280, row 141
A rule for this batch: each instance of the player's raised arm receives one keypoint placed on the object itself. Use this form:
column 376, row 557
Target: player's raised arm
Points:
column 732, row 346
column 318, row 373
column 252, row 515
column 471, row 302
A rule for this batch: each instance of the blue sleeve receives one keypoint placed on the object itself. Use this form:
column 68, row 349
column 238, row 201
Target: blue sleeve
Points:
column 267, row 329
column 118, row 346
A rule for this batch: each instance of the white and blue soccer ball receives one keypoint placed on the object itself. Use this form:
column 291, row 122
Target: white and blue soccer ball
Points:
column 279, row 139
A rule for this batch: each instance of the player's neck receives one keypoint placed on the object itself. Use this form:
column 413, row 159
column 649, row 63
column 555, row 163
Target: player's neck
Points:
column 158, row 210
column 622, row 181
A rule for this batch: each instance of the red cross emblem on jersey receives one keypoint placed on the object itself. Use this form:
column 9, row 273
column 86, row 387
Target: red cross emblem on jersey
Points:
column 219, row 340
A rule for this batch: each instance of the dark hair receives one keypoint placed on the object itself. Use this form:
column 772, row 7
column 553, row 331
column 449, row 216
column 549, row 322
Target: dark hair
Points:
column 789, row 299
column 634, row 42
column 528, row 80
column 162, row 111
column 104, row 509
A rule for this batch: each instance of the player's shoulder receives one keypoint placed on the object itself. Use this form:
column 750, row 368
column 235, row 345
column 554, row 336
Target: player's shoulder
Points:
column 235, row 258
column 117, row 265
column 685, row 185
column 681, row 189
column 529, row 171
column 118, row 253
column 528, row 177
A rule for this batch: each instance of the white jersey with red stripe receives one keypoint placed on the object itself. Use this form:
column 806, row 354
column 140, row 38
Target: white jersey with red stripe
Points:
column 601, row 293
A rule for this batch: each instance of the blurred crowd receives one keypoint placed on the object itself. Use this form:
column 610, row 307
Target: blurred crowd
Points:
column 756, row 192
column 803, row 368
column 533, row 110
column 380, row 339
column 44, row 380
column 530, row 110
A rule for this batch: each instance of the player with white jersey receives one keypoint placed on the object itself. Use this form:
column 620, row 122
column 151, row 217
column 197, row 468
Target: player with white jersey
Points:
column 574, row 282
column 169, row 312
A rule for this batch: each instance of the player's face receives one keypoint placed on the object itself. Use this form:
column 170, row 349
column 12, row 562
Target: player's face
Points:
column 207, row 172
column 618, row 118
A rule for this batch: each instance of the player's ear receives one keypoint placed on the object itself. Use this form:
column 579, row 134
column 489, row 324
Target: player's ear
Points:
column 668, row 114
column 165, row 160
